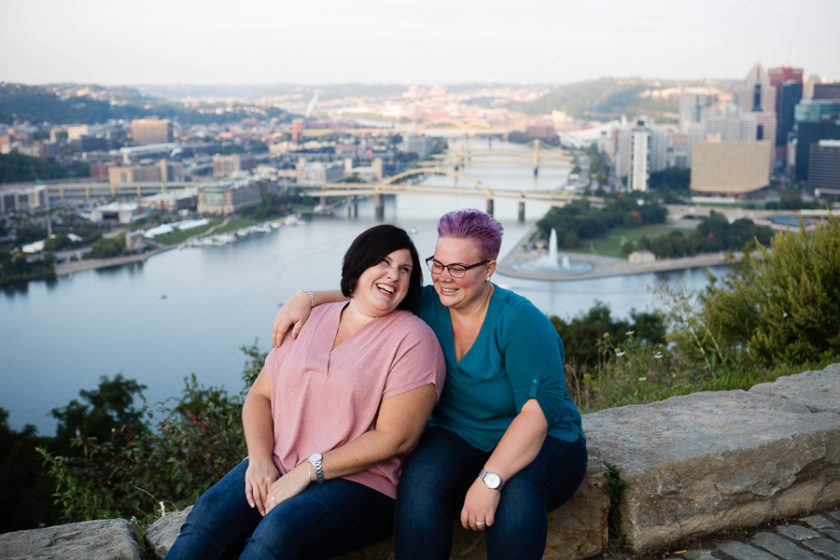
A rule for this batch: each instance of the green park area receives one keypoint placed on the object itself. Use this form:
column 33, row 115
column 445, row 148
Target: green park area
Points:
column 214, row 227
column 609, row 244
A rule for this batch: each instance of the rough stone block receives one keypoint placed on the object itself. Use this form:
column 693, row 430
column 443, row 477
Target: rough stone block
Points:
column 162, row 533
column 702, row 463
column 576, row 530
column 819, row 390
column 109, row 539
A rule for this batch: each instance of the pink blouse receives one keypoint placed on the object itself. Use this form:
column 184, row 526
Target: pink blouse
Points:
column 322, row 398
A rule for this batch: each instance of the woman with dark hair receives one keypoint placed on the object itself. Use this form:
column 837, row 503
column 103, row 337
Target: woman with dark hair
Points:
column 328, row 420
column 504, row 445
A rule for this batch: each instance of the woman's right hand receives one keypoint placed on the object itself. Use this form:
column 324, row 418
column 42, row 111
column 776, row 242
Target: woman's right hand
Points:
column 293, row 314
column 259, row 476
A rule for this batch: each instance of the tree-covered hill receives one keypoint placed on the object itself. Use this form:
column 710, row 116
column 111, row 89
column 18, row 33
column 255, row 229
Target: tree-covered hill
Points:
column 39, row 104
column 90, row 104
column 609, row 98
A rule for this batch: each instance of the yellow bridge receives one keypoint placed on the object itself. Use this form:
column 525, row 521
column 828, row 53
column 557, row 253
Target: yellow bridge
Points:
column 541, row 155
column 394, row 185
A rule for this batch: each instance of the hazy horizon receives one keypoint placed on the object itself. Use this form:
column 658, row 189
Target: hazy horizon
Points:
column 376, row 42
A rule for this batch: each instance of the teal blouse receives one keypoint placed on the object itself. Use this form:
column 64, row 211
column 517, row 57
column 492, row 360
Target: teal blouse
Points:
column 517, row 356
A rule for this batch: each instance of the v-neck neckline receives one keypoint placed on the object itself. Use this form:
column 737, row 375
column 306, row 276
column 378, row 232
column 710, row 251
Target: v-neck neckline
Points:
column 333, row 346
column 477, row 336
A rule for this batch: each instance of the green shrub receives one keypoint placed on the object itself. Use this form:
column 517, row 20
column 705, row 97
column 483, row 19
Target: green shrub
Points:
column 782, row 306
column 190, row 443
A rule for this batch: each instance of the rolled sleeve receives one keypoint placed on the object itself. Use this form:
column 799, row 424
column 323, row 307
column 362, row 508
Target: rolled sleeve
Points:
column 533, row 354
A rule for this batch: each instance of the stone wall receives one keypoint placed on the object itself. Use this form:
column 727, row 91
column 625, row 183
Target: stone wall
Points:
column 694, row 465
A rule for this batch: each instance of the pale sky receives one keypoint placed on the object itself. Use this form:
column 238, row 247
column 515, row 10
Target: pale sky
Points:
column 434, row 42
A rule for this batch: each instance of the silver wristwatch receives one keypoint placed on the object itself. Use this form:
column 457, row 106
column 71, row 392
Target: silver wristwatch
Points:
column 492, row 480
column 315, row 460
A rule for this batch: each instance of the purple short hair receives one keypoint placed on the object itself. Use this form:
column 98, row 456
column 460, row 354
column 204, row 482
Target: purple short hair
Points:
column 476, row 225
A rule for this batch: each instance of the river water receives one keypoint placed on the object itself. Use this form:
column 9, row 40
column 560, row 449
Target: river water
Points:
column 58, row 338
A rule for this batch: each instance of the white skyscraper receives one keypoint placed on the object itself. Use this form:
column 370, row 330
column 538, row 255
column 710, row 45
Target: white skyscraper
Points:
column 637, row 178
column 758, row 97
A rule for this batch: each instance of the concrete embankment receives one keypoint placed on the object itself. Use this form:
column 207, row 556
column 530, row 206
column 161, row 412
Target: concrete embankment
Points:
column 69, row 267
column 694, row 466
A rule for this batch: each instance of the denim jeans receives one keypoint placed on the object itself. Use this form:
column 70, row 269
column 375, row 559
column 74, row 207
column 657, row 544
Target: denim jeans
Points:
column 322, row 521
column 435, row 480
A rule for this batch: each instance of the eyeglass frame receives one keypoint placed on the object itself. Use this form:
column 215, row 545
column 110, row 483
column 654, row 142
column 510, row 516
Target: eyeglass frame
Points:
column 430, row 262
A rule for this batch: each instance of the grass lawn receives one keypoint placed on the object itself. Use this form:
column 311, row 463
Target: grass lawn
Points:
column 610, row 244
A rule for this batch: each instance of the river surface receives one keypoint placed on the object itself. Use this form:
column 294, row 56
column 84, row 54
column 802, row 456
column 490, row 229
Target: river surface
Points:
column 191, row 309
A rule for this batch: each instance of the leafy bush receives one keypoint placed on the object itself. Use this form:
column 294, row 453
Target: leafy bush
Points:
column 108, row 247
column 25, row 501
column 103, row 410
column 784, row 305
column 190, row 443
column 587, row 222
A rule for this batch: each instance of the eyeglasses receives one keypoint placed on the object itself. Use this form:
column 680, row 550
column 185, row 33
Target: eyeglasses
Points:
column 456, row 270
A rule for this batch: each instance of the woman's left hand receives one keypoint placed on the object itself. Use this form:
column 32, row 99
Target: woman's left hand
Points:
column 288, row 486
column 480, row 505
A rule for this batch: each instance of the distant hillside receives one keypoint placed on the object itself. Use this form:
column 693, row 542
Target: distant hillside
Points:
column 90, row 104
column 256, row 91
column 610, row 98
column 39, row 104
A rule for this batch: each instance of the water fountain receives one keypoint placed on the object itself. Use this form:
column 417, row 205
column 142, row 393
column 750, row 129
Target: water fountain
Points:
column 552, row 263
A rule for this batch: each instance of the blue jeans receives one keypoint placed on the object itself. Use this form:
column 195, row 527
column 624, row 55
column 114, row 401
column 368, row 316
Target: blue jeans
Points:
column 435, row 480
column 322, row 521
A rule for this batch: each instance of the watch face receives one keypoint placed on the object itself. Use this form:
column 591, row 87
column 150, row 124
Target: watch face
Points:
column 492, row 480
column 315, row 457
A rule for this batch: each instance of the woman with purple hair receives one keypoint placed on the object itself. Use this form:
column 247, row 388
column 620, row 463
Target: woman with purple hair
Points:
column 504, row 445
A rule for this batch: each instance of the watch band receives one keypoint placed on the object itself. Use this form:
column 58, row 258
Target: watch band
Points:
column 315, row 460
column 492, row 480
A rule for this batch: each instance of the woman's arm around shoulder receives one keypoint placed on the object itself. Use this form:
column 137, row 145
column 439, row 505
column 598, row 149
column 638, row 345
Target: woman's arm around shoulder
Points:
column 294, row 313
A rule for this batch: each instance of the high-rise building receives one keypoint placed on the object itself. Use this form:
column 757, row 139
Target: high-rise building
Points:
column 658, row 148
column 758, row 96
column 297, row 130
column 151, row 131
column 638, row 172
column 815, row 120
column 824, row 166
column 730, row 124
column 232, row 164
column 827, row 91
column 693, row 104
column 227, row 197
column 788, row 94
column 730, row 168
column 783, row 74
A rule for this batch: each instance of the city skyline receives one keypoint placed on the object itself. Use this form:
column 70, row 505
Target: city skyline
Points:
column 374, row 41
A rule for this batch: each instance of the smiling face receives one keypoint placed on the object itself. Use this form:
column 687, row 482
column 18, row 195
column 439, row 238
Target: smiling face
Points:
column 382, row 287
column 461, row 293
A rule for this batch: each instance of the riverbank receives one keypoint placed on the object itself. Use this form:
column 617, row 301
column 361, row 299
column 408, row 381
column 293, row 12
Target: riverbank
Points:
column 599, row 266
column 69, row 267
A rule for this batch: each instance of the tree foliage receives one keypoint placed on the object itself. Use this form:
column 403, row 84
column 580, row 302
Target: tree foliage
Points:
column 586, row 221
column 784, row 305
column 671, row 178
column 714, row 234
column 16, row 268
column 101, row 411
column 25, row 500
column 162, row 456
column 605, row 98
column 108, row 247
column 15, row 167
column 582, row 334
